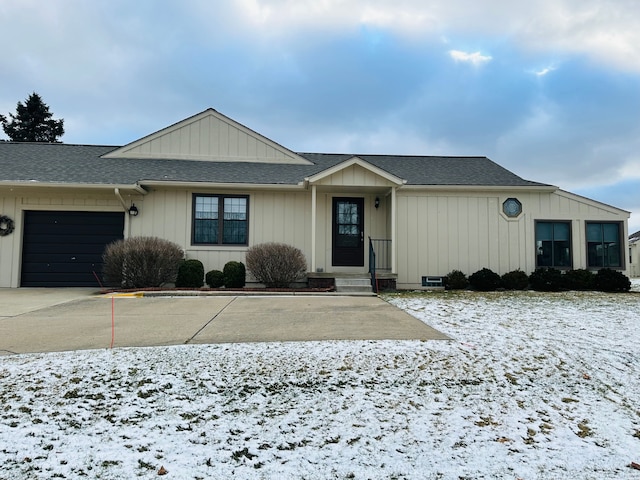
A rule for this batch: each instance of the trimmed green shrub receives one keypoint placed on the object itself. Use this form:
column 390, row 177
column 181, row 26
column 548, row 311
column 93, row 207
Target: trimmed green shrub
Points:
column 515, row 280
column 608, row 280
column 214, row 278
column 234, row 274
column 578, row 279
column 277, row 265
column 141, row 262
column 456, row 280
column 546, row 280
column 190, row 274
column 485, row 280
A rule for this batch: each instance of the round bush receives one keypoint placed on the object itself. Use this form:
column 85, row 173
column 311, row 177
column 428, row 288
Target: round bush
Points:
column 277, row 265
column 546, row 280
column 190, row 274
column 456, row 280
column 608, row 280
column 485, row 280
column 578, row 279
column 515, row 280
column 234, row 274
column 141, row 262
column 214, row 278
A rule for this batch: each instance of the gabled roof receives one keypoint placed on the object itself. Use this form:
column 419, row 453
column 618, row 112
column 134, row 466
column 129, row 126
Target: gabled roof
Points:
column 212, row 137
column 59, row 163
column 355, row 161
column 634, row 237
column 212, row 149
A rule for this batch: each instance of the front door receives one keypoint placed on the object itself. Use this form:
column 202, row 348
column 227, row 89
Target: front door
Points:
column 348, row 232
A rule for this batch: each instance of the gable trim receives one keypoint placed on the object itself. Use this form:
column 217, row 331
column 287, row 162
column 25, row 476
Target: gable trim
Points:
column 350, row 162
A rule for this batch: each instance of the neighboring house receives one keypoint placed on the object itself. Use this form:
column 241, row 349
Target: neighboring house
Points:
column 215, row 187
column 634, row 254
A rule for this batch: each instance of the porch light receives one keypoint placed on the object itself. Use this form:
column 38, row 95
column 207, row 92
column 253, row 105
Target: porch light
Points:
column 377, row 202
column 133, row 210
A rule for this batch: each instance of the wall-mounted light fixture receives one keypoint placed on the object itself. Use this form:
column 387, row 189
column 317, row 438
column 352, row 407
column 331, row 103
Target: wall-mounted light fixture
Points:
column 133, row 210
column 377, row 202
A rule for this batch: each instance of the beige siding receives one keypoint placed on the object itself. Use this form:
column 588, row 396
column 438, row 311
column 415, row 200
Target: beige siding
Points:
column 443, row 231
column 208, row 136
column 273, row 217
column 375, row 226
column 634, row 253
column 355, row 175
column 9, row 244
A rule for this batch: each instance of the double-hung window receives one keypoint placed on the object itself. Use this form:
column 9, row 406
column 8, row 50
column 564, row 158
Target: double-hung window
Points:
column 553, row 244
column 220, row 219
column 604, row 247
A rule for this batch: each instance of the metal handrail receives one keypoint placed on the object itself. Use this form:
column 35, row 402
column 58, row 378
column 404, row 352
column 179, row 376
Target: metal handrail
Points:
column 383, row 246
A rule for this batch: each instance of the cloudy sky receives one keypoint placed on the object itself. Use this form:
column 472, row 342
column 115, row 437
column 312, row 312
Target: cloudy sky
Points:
column 550, row 89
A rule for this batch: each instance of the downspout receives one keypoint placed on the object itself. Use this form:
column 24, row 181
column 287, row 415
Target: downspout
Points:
column 127, row 220
column 124, row 205
column 314, row 200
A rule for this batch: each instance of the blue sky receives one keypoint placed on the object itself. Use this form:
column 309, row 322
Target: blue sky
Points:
column 550, row 89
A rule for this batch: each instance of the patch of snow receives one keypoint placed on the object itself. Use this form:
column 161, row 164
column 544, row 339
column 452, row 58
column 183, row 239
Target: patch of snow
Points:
column 534, row 385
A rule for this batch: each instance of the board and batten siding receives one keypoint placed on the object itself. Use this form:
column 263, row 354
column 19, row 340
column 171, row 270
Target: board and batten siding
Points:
column 274, row 216
column 443, row 231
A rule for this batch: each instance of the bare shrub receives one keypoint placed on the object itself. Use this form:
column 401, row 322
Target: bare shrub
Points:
column 140, row 262
column 277, row 265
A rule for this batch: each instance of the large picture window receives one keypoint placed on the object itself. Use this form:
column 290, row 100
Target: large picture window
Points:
column 603, row 245
column 553, row 244
column 220, row 220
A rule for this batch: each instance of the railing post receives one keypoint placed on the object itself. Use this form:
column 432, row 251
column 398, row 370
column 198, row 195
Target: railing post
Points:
column 372, row 266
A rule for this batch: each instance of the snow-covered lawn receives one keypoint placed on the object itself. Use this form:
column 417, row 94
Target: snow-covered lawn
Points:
column 534, row 385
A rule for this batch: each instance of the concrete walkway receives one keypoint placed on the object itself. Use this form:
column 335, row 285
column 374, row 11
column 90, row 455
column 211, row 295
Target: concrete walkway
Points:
column 45, row 320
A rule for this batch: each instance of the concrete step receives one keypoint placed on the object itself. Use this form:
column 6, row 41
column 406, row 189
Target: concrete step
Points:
column 353, row 285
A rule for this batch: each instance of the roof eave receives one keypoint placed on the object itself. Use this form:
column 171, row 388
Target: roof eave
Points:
column 488, row 188
column 225, row 185
column 72, row 186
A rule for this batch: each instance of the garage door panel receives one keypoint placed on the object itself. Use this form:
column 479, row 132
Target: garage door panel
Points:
column 42, row 246
column 65, row 248
column 64, row 267
column 45, row 258
column 48, row 238
column 57, row 229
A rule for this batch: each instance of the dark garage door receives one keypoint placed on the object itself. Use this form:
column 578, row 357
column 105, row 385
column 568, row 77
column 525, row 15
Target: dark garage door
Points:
column 63, row 249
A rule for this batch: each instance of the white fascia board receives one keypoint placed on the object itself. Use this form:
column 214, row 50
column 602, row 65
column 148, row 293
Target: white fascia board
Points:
column 483, row 188
column 238, row 186
column 73, row 186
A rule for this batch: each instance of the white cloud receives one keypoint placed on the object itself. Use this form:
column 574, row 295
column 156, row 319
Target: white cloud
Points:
column 544, row 71
column 607, row 31
column 475, row 58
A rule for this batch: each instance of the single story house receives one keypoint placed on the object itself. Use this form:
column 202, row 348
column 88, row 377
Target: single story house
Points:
column 634, row 254
column 216, row 187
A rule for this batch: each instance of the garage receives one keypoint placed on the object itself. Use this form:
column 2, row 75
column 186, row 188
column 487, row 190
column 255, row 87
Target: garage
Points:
column 64, row 249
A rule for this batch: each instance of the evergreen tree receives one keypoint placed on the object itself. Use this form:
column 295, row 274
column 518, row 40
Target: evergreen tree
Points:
column 32, row 122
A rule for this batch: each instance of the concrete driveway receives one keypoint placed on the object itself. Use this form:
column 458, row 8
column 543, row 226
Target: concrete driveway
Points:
column 45, row 320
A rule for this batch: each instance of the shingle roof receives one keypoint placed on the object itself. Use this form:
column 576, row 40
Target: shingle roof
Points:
column 82, row 164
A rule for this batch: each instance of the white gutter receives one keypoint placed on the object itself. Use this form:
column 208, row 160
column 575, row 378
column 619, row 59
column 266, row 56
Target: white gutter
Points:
column 87, row 186
column 236, row 186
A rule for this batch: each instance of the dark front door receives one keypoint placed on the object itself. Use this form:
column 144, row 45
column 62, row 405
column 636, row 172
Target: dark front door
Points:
column 348, row 232
column 64, row 249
